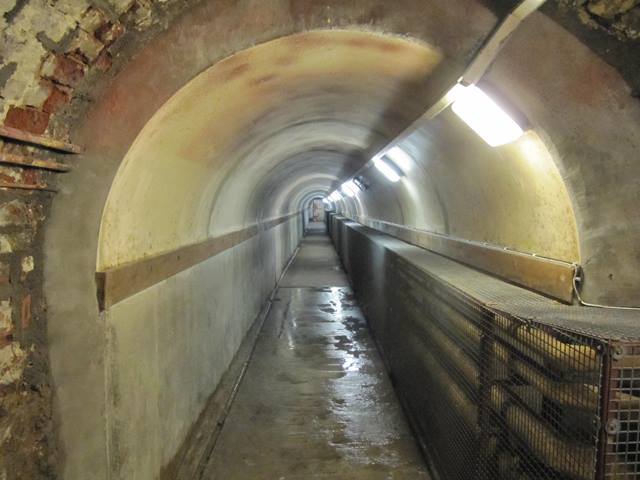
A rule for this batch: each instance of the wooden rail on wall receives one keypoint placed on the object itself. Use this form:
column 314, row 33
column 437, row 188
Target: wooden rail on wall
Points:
column 121, row 282
column 553, row 278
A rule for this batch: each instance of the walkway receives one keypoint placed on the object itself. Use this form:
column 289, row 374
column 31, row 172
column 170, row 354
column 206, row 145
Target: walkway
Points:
column 315, row 401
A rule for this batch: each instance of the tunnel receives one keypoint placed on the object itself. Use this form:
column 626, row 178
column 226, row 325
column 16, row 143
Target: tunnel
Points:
column 345, row 239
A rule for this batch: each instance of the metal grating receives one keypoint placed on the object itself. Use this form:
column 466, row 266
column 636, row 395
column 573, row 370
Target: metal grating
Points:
column 622, row 429
column 493, row 393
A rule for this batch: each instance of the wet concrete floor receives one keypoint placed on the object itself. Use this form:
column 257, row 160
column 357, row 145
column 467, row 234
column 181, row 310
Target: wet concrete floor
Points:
column 315, row 401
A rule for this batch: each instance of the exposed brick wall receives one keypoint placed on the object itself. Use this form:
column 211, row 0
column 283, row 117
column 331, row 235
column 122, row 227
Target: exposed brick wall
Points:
column 27, row 449
column 611, row 28
column 49, row 49
column 618, row 17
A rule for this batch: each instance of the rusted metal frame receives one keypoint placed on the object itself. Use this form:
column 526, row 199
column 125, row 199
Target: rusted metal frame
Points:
column 121, row 282
column 28, row 186
column 38, row 140
column 553, row 278
column 605, row 391
column 618, row 356
column 24, row 161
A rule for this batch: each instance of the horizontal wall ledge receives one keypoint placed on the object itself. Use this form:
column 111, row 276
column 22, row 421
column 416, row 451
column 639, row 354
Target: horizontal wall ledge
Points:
column 550, row 277
column 121, row 282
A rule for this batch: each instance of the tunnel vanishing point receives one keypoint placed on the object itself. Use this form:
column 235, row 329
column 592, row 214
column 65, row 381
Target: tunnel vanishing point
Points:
column 332, row 239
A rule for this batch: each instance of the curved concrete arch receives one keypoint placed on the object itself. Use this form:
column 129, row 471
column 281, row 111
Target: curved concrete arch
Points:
column 195, row 162
column 316, row 186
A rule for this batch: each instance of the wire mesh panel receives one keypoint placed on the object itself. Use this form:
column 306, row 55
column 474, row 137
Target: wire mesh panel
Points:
column 504, row 398
column 493, row 395
column 622, row 433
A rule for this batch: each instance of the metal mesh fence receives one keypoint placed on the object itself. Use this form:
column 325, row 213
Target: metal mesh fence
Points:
column 621, row 450
column 494, row 395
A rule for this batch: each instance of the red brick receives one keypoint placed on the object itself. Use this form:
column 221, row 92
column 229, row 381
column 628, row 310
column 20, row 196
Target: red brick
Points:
column 27, row 118
column 11, row 174
column 15, row 213
column 109, row 32
column 64, row 69
column 25, row 312
column 6, row 339
column 5, row 276
column 57, row 98
column 32, row 177
column 104, row 61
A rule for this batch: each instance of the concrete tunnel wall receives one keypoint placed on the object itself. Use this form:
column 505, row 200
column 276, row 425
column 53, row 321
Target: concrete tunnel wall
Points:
column 233, row 116
column 549, row 193
column 303, row 138
column 195, row 173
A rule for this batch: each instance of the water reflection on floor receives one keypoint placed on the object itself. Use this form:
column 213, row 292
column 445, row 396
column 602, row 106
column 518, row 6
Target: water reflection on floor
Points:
column 315, row 401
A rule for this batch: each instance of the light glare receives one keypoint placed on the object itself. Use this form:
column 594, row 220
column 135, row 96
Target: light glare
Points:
column 349, row 188
column 386, row 170
column 455, row 93
column 485, row 117
column 401, row 158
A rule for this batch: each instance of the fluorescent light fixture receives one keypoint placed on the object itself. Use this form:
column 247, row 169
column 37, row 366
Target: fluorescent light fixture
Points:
column 401, row 158
column 349, row 188
column 386, row 169
column 485, row 117
column 455, row 93
column 335, row 196
column 326, row 201
column 359, row 181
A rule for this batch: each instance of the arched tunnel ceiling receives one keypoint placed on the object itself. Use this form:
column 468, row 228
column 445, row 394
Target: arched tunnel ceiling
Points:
column 218, row 152
column 271, row 123
column 314, row 135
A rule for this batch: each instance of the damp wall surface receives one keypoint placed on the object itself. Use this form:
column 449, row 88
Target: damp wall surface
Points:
column 165, row 350
column 168, row 346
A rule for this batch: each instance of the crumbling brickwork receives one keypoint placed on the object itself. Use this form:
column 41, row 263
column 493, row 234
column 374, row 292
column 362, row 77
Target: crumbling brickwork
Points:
column 611, row 28
column 618, row 17
column 48, row 51
column 27, row 449
column 47, row 47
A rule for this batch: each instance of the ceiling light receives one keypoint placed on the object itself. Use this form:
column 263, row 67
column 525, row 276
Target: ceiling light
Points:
column 361, row 182
column 401, row 158
column 386, row 169
column 455, row 93
column 335, row 196
column 349, row 188
column 485, row 117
